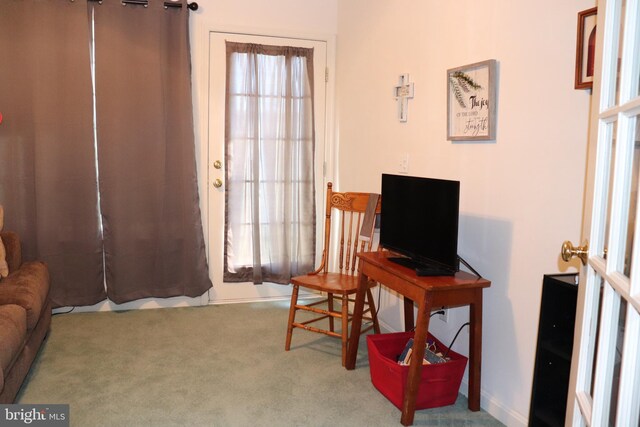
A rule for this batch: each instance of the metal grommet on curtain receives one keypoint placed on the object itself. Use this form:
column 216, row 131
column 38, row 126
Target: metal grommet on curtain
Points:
column 173, row 3
column 144, row 3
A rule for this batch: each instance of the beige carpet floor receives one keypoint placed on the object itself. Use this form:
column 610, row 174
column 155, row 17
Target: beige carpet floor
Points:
column 221, row 365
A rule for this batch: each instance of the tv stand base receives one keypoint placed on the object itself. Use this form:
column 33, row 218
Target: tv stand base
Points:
column 422, row 269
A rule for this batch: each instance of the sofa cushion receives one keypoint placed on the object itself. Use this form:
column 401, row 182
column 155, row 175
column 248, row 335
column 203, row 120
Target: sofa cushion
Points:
column 27, row 287
column 13, row 332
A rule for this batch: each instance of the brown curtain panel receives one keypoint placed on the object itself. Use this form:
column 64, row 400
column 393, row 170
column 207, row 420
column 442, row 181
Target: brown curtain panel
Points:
column 154, row 245
column 47, row 156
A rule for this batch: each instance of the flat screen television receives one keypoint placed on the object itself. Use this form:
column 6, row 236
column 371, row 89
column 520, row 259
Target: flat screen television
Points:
column 419, row 221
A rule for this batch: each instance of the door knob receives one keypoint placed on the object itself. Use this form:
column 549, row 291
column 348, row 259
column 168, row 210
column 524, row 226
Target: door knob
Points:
column 217, row 164
column 568, row 251
column 217, row 183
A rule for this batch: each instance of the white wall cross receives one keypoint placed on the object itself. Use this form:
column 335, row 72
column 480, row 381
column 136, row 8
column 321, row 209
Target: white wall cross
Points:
column 403, row 92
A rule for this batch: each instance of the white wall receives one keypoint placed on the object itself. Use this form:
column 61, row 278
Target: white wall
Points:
column 521, row 195
column 310, row 16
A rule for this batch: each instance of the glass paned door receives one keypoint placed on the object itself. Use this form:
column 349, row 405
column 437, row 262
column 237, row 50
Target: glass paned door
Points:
column 223, row 292
column 607, row 369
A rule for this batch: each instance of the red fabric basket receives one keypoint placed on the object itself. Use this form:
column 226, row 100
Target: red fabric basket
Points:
column 439, row 383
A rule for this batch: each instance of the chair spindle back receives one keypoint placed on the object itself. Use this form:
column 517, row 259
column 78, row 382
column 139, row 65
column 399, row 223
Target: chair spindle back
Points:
column 349, row 209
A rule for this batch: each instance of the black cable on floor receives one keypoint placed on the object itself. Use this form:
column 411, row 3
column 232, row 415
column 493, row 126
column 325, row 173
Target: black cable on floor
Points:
column 63, row 312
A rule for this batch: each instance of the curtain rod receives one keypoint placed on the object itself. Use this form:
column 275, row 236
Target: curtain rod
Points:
column 167, row 4
column 145, row 3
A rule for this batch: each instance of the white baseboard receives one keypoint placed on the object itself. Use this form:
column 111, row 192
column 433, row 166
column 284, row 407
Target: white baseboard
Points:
column 141, row 304
column 496, row 409
column 153, row 303
column 271, row 298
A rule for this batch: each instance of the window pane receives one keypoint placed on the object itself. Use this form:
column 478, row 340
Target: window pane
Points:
column 611, row 132
column 622, row 315
column 635, row 70
column 633, row 200
column 620, row 47
column 594, row 346
column 631, row 64
column 611, row 62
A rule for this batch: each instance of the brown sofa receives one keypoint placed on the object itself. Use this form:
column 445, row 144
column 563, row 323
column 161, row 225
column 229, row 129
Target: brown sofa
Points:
column 25, row 317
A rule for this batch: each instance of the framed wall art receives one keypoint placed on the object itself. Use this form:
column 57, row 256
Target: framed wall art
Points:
column 586, row 48
column 471, row 102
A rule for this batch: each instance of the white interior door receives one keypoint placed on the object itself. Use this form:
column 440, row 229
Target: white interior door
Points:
column 605, row 378
column 242, row 292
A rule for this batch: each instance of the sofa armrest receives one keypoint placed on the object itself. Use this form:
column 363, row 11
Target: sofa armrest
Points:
column 27, row 287
column 14, row 250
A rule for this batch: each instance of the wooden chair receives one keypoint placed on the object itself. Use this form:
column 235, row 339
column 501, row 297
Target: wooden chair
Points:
column 340, row 281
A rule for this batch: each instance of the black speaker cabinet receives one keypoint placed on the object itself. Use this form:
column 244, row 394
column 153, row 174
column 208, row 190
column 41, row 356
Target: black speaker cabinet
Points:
column 553, row 353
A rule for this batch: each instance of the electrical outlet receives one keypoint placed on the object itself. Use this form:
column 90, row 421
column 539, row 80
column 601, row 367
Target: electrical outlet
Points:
column 403, row 164
column 444, row 317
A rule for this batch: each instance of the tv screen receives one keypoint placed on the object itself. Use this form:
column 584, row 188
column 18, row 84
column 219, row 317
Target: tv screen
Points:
column 419, row 219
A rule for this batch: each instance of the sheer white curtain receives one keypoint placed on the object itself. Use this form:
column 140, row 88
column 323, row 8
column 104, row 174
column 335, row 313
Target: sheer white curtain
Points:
column 269, row 149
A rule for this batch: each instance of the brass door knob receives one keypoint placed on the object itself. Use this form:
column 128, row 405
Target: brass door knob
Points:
column 217, row 183
column 217, row 164
column 568, row 251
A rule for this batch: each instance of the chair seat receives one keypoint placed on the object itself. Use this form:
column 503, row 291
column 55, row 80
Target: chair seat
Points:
column 335, row 283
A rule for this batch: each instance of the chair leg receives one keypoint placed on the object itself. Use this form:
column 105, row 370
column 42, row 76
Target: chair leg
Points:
column 330, row 308
column 373, row 311
column 292, row 316
column 345, row 327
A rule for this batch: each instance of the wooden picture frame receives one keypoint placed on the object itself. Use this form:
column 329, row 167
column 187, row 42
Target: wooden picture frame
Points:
column 471, row 102
column 585, row 48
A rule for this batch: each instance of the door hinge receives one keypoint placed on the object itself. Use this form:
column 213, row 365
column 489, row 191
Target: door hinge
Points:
column 326, row 74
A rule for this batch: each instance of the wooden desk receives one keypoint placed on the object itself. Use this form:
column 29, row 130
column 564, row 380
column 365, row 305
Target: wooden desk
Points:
column 426, row 292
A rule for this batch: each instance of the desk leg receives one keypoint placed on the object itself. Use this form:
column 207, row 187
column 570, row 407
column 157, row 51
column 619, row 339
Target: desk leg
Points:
column 475, row 350
column 408, row 314
column 415, row 368
column 356, row 323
